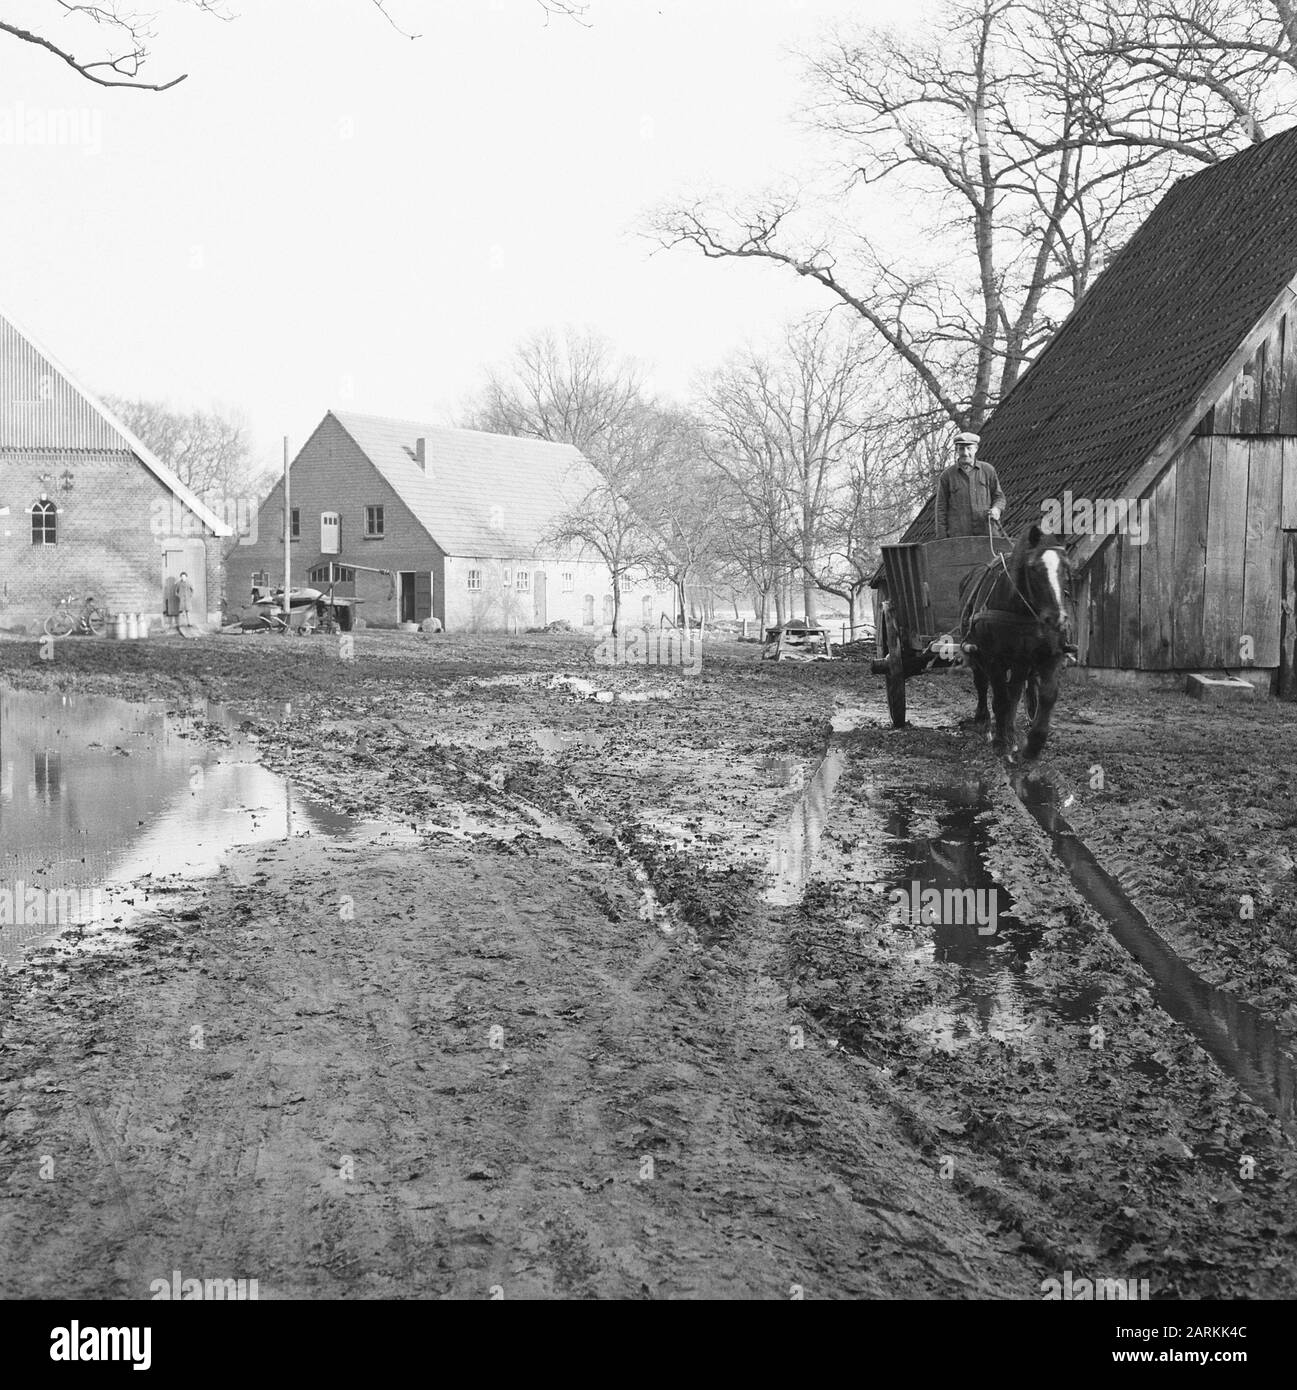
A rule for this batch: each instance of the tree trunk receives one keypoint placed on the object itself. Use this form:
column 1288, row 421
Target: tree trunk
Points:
column 779, row 605
column 808, row 598
column 616, row 603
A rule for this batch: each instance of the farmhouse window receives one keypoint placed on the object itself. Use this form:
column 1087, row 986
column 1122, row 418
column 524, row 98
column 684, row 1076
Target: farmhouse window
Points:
column 475, row 579
column 332, row 574
column 296, row 530
column 524, row 581
column 44, row 520
column 373, row 521
column 507, row 579
column 568, row 581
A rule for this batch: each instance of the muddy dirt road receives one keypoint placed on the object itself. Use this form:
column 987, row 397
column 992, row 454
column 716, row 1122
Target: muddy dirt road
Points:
column 569, row 981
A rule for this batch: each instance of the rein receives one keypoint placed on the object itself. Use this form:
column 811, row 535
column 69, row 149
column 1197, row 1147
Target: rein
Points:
column 983, row 590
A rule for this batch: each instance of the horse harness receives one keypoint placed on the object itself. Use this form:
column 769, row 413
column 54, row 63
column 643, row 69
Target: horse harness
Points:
column 977, row 604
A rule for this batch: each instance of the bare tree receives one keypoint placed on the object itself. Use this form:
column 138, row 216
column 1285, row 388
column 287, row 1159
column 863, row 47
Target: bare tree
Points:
column 1021, row 149
column 568, row 390
column 1232, row 62
column 783, row 431
column 121, row 36
column 210, row 452
column 609, row 519
column 680, row 508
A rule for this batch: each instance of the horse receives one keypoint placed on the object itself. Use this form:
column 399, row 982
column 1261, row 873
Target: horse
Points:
column 1016, row 622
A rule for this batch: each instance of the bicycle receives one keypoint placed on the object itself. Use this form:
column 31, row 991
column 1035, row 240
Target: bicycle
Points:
column 91, row 621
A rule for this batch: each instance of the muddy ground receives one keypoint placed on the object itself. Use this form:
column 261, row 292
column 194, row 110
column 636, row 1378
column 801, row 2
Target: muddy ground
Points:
column 613, row 1006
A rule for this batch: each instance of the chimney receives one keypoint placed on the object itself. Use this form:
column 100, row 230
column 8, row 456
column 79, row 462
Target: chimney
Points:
column 421, row 452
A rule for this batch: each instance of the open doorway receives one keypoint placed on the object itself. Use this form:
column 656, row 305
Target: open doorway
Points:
column 415, row 595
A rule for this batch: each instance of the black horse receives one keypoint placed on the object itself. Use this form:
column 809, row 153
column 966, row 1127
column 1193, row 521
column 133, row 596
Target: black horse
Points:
column 1016, row 621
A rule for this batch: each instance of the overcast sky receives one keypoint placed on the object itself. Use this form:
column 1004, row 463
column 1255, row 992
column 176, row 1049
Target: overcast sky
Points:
column 327, row 214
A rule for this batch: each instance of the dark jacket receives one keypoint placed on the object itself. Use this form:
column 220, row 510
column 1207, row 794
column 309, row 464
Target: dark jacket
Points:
column 964, row 499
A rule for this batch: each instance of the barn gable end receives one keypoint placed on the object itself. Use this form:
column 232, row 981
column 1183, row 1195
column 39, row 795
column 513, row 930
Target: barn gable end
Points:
column 1172, row 387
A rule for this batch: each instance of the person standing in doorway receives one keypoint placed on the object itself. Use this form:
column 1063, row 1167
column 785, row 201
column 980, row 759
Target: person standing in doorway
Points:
column 184, row 597
column 968, row 493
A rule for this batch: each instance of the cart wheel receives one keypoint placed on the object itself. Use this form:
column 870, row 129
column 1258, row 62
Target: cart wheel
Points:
column 895, row 675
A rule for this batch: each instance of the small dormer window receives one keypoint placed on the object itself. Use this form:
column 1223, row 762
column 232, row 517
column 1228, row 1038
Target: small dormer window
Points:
column 44, row 522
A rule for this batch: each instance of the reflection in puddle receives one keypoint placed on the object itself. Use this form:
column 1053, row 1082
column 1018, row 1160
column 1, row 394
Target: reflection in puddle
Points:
column 990, row 947
column 558, row 741
column 97, row 794
column 1241, row 1040
column 781, row 772
column 795, row 852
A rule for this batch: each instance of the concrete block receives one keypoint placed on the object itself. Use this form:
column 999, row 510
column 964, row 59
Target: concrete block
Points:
column 1219, row 688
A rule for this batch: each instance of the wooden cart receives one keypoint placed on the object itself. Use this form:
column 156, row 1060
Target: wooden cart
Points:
column 797, row 641
column 918, row 591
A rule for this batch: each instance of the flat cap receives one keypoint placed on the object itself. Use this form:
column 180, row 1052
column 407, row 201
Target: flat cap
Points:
column 967, row 437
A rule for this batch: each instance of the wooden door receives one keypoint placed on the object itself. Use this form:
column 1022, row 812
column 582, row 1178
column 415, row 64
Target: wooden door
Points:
column 189, row 558
column 422, row 595
column 538, row 598
column 1288, row 619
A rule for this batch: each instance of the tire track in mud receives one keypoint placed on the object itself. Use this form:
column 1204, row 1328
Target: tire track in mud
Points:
column 569, row 1105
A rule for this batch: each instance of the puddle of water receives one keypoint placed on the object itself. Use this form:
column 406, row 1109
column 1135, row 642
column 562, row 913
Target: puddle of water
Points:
column 98, row 794
column 782, row 772
column 972, row 928
column 556, row 742
column 796, row 851
column 1243, row 1042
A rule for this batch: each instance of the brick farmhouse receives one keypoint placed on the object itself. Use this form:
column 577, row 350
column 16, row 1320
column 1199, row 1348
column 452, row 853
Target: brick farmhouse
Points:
column 85, row 507
column 419, row 521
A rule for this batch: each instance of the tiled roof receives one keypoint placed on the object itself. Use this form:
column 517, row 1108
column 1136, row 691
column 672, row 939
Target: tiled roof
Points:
column 490, row 495
column 44, row 407
column 1148, row 337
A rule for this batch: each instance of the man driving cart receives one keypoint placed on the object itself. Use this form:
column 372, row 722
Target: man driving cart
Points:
column 968, row 493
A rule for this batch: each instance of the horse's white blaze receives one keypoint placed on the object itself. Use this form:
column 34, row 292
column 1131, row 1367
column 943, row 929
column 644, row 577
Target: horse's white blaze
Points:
column 1053, row 566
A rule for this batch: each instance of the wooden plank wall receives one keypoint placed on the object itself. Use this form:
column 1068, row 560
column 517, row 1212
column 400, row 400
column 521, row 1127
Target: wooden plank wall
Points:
column 1262, row 399
column 1222, row 611
column 1209, row 571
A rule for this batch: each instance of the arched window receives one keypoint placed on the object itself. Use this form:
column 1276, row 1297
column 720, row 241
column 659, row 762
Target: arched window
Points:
column 44, row 516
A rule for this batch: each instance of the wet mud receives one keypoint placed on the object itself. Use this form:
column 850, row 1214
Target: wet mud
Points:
column 589, row 981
